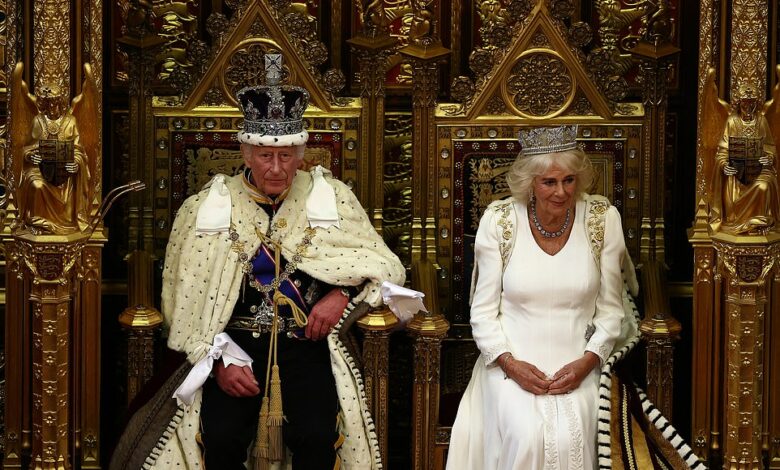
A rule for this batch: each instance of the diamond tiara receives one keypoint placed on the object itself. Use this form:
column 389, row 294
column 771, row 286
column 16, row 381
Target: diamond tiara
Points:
column 539, row 140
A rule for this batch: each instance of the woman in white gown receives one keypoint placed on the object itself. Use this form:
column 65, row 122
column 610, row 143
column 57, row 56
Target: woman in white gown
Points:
column 545, row 313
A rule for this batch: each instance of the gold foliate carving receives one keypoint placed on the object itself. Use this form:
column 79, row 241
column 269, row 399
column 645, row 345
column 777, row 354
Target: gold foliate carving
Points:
column 707, row 18
column 608, row 62
column 581, row 33
column 462, row 89
column 492, row 12
column 245, row 68
column 51, row 61
column 236, row 4
column 422, row 31
column 519, row 9
column 176, row 25
column 749, row 20
column 397, row 212
column 580, row 106
column 258, row 30
column 540, row 85
column 302, row 30
column 495, row 105
column 495, row 29
column 372, row 17
column 561, row 9
column 615, row 88
column 481, row 61
column 334, row 80
column 217, row 24
column 540, row 40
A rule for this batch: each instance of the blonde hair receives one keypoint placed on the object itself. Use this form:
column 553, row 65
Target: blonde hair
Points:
column 521, row 176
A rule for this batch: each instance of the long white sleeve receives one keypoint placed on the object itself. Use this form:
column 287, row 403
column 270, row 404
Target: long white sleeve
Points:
column 485, row 305
column 609, row 302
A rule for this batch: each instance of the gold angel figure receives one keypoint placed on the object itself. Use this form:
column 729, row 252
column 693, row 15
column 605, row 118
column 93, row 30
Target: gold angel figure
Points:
column 739, row 159
column 55, row 149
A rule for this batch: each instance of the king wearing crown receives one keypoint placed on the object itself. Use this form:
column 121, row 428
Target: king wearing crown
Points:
column 262, row 269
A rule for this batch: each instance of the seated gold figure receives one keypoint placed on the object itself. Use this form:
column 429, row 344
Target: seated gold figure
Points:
column 54, row 188
column 738, row 159
column 744, row 169
column 54, row 156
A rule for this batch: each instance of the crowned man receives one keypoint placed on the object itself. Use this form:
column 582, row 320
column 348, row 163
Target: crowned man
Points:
column 261, row 271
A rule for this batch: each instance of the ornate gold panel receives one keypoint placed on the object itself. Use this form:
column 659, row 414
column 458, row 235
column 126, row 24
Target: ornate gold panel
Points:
column 539, row 73
column 232, row 61
column 397, row 208
column 540, row 85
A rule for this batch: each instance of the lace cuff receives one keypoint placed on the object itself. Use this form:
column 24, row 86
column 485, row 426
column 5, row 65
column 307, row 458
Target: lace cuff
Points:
column 493, row 352
column 599, row 349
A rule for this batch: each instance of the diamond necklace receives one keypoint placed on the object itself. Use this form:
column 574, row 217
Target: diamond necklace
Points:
column 544, row 232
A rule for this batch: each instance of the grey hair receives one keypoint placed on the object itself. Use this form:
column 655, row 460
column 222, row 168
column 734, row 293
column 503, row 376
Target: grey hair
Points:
column 298, row 149
column 521, row 176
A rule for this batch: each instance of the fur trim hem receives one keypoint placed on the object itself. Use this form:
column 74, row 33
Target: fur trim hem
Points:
column 373, row 441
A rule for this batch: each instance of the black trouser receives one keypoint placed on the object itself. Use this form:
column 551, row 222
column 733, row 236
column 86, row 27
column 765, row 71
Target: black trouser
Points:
column 309, row 400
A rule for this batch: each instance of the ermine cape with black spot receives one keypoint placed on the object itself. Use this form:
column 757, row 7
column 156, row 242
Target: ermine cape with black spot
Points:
column 202, row 282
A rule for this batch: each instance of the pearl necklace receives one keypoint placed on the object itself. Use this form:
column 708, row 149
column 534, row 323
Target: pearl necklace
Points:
column 544, row 232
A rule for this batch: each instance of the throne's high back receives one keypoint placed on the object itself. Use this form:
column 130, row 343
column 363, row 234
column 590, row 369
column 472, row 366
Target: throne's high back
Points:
column 538, row 79
column 195, row 135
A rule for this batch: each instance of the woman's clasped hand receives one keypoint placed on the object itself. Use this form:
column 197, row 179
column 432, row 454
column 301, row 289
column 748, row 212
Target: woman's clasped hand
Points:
column 532, row 380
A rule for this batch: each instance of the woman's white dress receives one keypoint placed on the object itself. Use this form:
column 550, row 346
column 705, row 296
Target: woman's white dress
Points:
column 538, row 307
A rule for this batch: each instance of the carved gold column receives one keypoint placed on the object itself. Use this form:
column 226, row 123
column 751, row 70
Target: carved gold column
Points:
column 372, row 46
column 735, row 412
column 428, row 331
column 377, row 326
column 772, row 383
column 707, row 348
column 706, row 404
column 426, row 55
column 53, row 276
column 86, row 345
column 141, row 321
column 659, row 330
column 659, row 327
column 18, row 430
column 50, row 260
column 51, row 51
column 749, row 31
column 746, row 262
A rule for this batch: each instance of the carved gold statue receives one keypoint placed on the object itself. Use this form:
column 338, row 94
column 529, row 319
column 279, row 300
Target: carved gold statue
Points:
column 740, row 155
column 55, row 150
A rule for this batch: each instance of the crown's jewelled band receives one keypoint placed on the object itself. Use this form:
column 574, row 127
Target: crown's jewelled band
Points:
column 273, row 127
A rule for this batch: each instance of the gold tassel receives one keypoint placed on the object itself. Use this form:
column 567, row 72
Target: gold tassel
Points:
column 260, row 452
column 275, row 418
